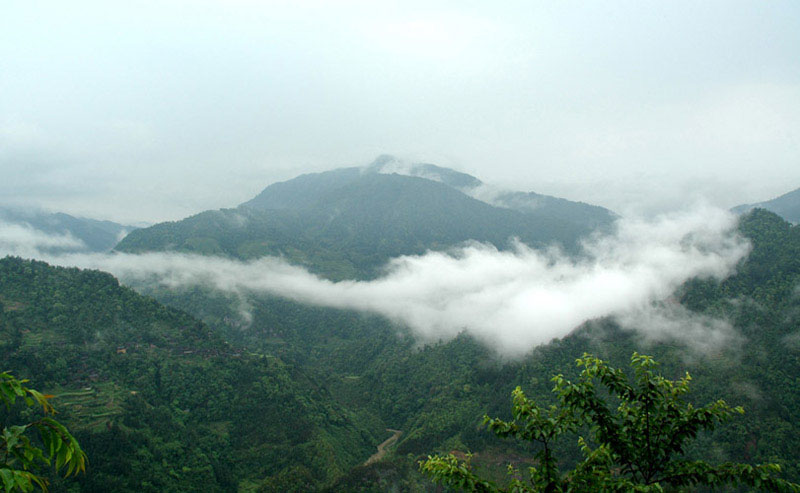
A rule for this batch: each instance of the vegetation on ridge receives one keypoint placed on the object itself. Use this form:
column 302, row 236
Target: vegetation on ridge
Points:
column 635, row 442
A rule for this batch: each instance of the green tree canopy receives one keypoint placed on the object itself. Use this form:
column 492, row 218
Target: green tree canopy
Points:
column 638, row 428
column 20, row 454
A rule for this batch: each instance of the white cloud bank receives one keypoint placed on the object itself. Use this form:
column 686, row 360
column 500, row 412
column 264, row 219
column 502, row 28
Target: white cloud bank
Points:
column 25, row 241
column 511, row 300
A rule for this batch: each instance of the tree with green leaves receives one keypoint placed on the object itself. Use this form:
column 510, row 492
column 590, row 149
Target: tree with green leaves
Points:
column 21, row 451
column 638, row 429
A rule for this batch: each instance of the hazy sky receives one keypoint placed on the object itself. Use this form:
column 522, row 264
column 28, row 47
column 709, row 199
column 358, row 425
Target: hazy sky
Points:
column 153, row 110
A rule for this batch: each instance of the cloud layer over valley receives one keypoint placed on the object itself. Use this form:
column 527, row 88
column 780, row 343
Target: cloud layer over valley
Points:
column 511, row 300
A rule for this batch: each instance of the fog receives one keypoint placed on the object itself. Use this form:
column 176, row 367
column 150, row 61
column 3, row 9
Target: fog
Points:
column 511, row 300
column 155, row 110
column 22, row 240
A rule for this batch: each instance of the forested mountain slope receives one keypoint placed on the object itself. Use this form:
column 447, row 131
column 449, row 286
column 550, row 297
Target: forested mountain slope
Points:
column 787, row 206
column 159, row 401
column 758, row 371
column 349, row 222
column 436, row 394
column 162, row 403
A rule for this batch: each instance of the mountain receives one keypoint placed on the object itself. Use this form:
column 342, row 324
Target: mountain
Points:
column 787, row 206
column 300, row 396
column 91, row 234
column 159, row 401
column 305, row 190
column 297, row 397
column 436, row 394
column 348, row 222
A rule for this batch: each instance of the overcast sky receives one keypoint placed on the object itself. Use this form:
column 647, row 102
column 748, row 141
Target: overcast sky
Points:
column 153, row 110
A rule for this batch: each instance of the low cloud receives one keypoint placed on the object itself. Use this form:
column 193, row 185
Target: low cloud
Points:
column 670, row 322
column 23, row 240
column 511, row 300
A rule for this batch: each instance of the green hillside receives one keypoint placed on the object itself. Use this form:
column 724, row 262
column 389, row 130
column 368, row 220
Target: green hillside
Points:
column 159, row 401
column 300, row 396
column 436, row 394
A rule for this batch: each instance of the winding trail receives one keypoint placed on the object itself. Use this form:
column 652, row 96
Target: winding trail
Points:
column 382, row 448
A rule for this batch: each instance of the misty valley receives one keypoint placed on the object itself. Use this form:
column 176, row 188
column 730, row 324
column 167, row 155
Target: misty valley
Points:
column 348, row 330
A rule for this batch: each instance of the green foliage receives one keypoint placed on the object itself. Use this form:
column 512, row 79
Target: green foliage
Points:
column 434, row 392
column 21, row 455
column 158, row 400
column 639, row 426
column 208, row 415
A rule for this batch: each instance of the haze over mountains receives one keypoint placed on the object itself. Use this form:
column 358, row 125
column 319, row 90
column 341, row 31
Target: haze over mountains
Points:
column 387, row 208
column 308, row 187
column 332, row 223
column 787, row 206
column 348, row 222
column 410, row 242
column 32, row 229
column 335, row 305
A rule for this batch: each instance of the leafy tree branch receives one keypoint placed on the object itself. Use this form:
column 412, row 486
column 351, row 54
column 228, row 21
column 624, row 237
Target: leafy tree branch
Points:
column 640, row 441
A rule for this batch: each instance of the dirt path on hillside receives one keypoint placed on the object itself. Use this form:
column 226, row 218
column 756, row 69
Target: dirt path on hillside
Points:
column 382, row 448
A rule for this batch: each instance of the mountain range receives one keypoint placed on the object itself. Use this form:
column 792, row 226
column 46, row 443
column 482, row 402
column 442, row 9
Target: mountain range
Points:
column 348, row 222
column 170, row 389
column 298, row 400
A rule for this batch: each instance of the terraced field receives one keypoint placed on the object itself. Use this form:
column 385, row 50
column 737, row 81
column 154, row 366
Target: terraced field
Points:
column 90, row 408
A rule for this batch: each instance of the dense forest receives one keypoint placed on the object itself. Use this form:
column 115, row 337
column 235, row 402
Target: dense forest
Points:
column 161, row 403
column 298, row 398
column 437, row 393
